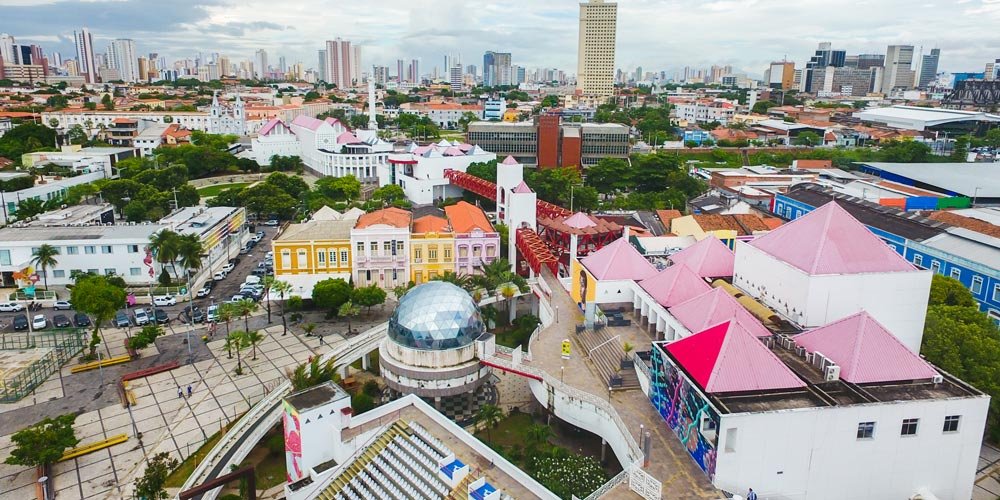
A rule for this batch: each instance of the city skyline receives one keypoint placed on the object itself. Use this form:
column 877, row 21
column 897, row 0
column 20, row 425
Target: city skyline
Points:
column 655, row 35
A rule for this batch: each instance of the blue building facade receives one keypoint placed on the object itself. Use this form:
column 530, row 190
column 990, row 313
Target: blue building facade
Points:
column 981, row 278
column 697, row 136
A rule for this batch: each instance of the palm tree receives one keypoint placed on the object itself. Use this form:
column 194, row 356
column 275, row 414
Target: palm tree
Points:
column 274, row 286
column 347, row 310
column 489, row 416
column 507, row 291
column 253, row 338
column 44, row 257
column 538, row 433
column 312, row 373
column 229, row 344
column 190, row 251
column 238, row 339
column 244, row 308
column 226, row 313
column 489, row 315
column 459, row 280
column 164, row 245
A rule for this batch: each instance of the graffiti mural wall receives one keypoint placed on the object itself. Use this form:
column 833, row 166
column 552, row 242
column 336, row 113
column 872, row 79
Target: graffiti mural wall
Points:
column 293, row 443
column 685, row 411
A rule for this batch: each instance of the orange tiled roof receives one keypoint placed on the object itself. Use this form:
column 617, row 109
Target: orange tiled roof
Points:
column 970, row 223
column 772, row 223
column 392, row 216
column 667, row 215
column 743, row 224
column 465, row 217
column 430, row 224
column 814, row 163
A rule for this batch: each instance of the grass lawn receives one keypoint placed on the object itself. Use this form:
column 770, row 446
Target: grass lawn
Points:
column 512, row 430
column 456, row 135
column 215, row 189
column 180, row 474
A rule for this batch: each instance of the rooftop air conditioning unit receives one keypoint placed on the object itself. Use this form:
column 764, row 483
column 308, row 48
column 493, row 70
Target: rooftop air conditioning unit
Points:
column 819, row 360
column 800, row 351
column 831, row 372
column 938, row 379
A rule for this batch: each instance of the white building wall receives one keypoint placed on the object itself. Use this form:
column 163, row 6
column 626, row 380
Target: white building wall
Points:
column 124, row 258
column 428, row 181
column 814, row 453
column 897, row 300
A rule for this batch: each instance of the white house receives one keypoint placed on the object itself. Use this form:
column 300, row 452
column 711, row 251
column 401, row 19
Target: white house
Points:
column 420, row 171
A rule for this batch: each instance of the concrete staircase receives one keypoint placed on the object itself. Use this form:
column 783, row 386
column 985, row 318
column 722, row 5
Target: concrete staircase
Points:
column 606, row 359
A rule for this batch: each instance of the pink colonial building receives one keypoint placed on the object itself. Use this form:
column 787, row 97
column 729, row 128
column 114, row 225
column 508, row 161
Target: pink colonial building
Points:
column 380, row 242
column 476, row 241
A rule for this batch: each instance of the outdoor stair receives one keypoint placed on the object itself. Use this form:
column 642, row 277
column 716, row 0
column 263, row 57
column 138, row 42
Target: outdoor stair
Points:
column 606, row 358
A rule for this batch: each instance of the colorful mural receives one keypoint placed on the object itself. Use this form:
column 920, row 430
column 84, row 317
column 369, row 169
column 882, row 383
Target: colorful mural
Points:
column 584, row 286
column 685, row 411
column 293, row 443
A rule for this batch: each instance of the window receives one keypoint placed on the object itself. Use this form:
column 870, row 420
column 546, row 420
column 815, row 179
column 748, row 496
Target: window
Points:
column 977, row 285
column 134, row 271
column 956, row 273
column 447, row 253
column 909, row 427
column 105, row 248
column 133, row 249
column 730, row 440
column 34, row 250
column 387, row 247
column 361, row 248
column 490, row 251
column 5, row 257
column 866, row 430
column 333, row 257
column 432, row 254
column 301, row 259
column 996, row 293
column 321, row 258
column 93, row 270
column 918, row 260
column 951, row 423
column 418, row 253
column 374, row 248
column 286, row 259
column 89, row 249
column 935, row 267
column 72, row 250
column 109, row 271
column 58, row 273
column 343, row 257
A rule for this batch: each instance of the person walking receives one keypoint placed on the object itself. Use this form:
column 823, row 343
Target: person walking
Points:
column 751, row 495
column 189, row 392
column 180, row 392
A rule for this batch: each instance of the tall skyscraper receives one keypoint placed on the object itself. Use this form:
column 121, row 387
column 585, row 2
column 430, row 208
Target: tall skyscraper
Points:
column 596, row 51
column 338, row 65
column 323, row 60
column 86, row 64
column 781, row 75
column 122, row 57
column 282, row 65
column 496, row 69
column 455, row 79
column 400, row 72
column 823, row 57
column 356, row 65
column 381, row 74
column 413, row 72
column 260, row 64
column 990, row 73
column 225, row 68
column 928, row 68
column 7, row 48
column 898, row 72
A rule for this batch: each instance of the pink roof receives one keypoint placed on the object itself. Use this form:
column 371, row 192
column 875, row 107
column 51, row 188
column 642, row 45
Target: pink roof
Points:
column 347, row 138
column 865, row 351
column 829, row 240
column 465, row 147
column 509, row 160
column 579, row 220
column 714, row 307
column 709, row 258
column 453, row 151
column 522, row 188
column 269, row 126
column 727, row 358
column 333, row 121
column 674, row 285
column 307, row 122
column 618, row 261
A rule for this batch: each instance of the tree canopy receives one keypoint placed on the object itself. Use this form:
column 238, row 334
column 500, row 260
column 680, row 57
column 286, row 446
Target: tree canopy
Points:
column 330, row 294
column 43, row 443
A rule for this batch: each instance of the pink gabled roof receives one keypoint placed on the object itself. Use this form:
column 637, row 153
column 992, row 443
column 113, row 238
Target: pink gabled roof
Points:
column 453, row 151
column 333, row 121
column 728, row 358
column 829, row 240
column 714, row 307
column 579, row 220
column 674, row 285
column 522, row 188
column 347, row 138
column 709, row 258
column 269, row 126
column 618, row 261
column 865, row 351
column 509, row 160
column 307, row 122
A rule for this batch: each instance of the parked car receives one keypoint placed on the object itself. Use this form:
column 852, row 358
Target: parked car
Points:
column 228, row 268
column 82, row 320
column 271, row 223
column 269, row 255
column 204, row 291
column 219, row 276
column 141, row 317
column 10, row 307
column 39, row 322
column 164, row 300
column 62, row 305
column 161, row 316
column 194, row 314
column 20, row 322
column 246, row 249
column 61, row 321
column 236, row 298
column 258, row 237
column 121, row 320
column 252, row 280
column 212, row 315
column 260, row 271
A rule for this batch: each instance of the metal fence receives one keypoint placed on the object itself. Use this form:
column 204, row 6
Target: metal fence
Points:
column 63, row 344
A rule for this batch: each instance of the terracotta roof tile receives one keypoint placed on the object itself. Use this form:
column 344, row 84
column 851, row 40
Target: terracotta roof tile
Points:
column 392, row 216
column 431, row 224
column 970, row 223
column 465, row 217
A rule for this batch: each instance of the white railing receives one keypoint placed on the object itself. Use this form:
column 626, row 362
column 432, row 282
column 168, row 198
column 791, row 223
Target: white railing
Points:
column 606, row 488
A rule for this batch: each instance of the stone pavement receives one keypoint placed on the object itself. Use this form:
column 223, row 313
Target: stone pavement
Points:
column 988, row 475
column 669, row 461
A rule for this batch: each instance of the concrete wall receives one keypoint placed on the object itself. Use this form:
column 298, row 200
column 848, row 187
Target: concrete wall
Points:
column 815, row 453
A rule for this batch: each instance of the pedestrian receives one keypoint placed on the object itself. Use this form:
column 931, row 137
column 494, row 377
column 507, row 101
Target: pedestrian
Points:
column 751, row 495
column 189, row 390
column 180, row 392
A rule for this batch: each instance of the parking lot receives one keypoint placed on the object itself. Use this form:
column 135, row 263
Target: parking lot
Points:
column 221, row 291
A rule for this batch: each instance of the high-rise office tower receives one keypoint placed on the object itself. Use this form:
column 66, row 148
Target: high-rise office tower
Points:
column 86, row 63
column 497, row 69
column 356, row 65
column 282, row 65
column 381, row 74
column 400, row 72
column 413, row 73
column 928, row 68
column 321, row 68
column 596, row 51
column 122, row 57
column 781, row 75
column 225, row 69
column 471, row 70
column 338, row 65
column 898, row 72
column 823, row 57
column 455, row 79
column 260, row 64
column 7, row 48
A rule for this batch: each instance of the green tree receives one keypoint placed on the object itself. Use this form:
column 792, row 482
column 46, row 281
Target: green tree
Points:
column 245, row 308
column 961, row 150
column 361, row 403
column 947, row 291
column 389, row 194
column 904, row 151
column 43, row 443
column 237, row 340
column 94, row 295
column 146, row 337
column 165, row 245
column 29, row 208
column 538, row 434
column 466, row 119
column 44, row 258
column 312, row 373
column 807, row 138
column 151, row 485
column 368, row 296
column 484, row 170
column 489, row 416
column 190, row 252
column 76, row 135
column 339, row 188
column 761, row 107
column 253, row 338
column 347, row 311
column 330, row 294
column 108, row 102
column 610, row 175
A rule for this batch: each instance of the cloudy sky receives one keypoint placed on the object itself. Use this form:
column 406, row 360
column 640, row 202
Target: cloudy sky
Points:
column 656, row 34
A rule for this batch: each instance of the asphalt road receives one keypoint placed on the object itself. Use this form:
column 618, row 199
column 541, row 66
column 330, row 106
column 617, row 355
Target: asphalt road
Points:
column 221, row 291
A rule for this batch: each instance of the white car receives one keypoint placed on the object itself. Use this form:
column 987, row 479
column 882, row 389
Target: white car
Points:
column 228, row 268
column 219, row 276
column 39, row 322
column 212, row 315
column 10, row 307
column 203, row 292
column 141, row 317
column 62, row 305
column 164, row 300
column 269, row 255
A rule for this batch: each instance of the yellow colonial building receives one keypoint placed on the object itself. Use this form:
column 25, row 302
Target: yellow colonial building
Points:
column 312, row 251
column 432, row 244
